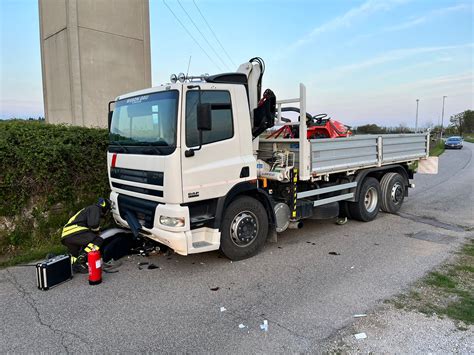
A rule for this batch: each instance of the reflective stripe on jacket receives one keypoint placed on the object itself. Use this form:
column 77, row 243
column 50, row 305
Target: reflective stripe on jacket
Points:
column 86, row 219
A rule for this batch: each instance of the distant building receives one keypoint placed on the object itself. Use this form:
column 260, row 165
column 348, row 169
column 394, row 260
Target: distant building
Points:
column 91, row 52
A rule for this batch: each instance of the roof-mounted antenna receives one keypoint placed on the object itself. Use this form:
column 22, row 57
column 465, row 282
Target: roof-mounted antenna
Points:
column 189, row 64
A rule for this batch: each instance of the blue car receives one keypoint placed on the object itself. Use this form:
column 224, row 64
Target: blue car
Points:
column 454, row 142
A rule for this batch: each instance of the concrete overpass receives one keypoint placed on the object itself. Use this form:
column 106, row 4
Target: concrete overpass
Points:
column 92, row 51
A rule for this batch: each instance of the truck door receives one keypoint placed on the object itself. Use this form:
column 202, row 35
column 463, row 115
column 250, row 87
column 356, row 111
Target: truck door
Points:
column 217, row 166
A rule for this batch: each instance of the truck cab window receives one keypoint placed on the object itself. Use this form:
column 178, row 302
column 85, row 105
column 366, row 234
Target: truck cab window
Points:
column 221, row 111
column 146, row 120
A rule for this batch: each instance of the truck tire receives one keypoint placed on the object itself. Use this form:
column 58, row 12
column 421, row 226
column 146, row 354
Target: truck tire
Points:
column 368, row 204
column 244, row 228
column 393, row 192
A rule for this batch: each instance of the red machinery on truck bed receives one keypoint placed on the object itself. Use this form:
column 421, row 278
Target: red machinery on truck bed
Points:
column 319, row 126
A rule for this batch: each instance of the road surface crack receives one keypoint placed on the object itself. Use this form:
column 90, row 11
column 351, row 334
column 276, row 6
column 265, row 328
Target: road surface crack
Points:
column 433, row 222
column 31, row 302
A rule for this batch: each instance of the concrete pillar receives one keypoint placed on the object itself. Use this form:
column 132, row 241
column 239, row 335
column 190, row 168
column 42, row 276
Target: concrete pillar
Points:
column 91, row 52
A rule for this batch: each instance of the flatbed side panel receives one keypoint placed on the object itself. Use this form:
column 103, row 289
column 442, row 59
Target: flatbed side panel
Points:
column 399, row 147
column 352, row 153
column 329, row 155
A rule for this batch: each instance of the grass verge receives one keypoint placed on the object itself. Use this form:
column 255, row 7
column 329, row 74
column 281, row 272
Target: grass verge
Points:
column 469, row 138
column 437, row 149
column 447, row 292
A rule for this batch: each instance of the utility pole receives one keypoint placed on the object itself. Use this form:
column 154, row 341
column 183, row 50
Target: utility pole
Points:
column 416, row 122
column 442, row 117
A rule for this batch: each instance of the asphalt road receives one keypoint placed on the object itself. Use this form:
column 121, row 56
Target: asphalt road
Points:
column 305, row 293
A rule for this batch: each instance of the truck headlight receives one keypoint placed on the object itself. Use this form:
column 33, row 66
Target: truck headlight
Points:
column 172, row 221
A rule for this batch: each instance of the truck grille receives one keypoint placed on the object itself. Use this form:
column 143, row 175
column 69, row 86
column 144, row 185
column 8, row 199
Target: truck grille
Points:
column 143, row 176
column 140, row 190
column 143, row 209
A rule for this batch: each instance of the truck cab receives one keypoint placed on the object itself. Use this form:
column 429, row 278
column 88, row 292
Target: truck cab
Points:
column 169, row 178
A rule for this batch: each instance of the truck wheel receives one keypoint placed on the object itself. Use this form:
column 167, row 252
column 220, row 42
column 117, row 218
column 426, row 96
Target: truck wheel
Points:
column 244, row 228
column 393, row 192
column 368, row 204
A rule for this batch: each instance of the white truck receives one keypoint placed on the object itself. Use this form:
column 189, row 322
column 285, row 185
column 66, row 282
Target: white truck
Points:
column 191, row 165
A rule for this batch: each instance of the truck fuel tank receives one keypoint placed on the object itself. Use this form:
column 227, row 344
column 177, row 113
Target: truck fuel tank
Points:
column 282, row 216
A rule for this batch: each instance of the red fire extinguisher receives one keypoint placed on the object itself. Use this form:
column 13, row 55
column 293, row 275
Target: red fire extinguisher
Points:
column 95, row 267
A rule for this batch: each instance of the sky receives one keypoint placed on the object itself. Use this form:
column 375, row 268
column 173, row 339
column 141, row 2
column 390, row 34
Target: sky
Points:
column 361, row 61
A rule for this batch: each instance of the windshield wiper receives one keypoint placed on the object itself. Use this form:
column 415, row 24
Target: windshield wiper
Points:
column 152, row 148
column 159, row 143
column 124, row 149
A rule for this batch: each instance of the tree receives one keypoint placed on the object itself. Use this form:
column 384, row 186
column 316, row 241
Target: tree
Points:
column 468, row 122
column 370, row 129
column 463, row 122
column 402, row 128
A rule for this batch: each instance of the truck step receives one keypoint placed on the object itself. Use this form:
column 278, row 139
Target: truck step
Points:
column 201, row 244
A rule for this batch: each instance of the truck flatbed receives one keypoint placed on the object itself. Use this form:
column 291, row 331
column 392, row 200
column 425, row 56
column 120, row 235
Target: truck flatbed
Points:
column 336, row 155
column 319, row 158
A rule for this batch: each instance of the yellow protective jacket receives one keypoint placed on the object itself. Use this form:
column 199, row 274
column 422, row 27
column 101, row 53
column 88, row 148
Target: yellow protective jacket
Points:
column 86, row 219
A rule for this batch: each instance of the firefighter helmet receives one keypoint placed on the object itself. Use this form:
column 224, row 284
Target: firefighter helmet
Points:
column 104, row 204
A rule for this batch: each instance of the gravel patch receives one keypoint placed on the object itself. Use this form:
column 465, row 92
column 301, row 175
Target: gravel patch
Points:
column 391, row 330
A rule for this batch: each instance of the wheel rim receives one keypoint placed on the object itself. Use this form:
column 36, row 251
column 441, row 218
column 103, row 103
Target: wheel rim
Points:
column 371, row 199
column 397, row 193
column 244, row 229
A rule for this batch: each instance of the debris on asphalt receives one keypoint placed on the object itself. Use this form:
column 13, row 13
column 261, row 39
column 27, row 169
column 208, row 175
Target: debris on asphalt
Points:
column 214, row 288
column 334, row 253
column 264, row 326
column 352, row 266
column 109, row 271
column 280, row 248
column 242, row 326
column 223, row 309
column 142, row 264
column 360, row 336
column 152, row 266
column 360, row 315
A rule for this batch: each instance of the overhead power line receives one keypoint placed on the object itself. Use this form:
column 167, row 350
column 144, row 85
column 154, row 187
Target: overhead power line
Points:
column 190, row 35
column 217, row 39
column 202, row 35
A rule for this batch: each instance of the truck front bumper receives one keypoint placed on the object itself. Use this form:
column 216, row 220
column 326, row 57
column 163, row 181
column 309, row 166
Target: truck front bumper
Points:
column 181, row 239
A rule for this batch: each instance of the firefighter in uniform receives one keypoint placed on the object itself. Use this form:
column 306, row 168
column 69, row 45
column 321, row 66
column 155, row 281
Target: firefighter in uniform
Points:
column 81, row 233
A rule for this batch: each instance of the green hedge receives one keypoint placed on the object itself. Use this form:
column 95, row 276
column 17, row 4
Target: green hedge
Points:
column 46, row 173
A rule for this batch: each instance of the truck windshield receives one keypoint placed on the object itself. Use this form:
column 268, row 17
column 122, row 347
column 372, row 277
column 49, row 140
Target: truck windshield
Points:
column 145, row 121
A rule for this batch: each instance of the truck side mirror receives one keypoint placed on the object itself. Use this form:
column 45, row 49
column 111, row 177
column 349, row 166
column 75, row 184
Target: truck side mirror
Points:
column 204, row 118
